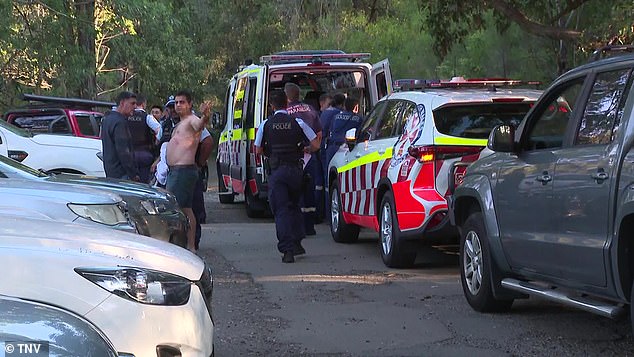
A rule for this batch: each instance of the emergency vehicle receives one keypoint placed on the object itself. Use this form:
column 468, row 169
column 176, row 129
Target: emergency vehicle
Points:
column 396, row 171
column 240, row 170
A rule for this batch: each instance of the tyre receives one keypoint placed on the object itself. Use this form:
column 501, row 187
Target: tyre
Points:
column 341, row 231
column 477, row 267
column 255, row 207
column 223, row 197
column 394, row 250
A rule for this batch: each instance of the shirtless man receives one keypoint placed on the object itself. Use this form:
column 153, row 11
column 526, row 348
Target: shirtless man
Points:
column 181, row 158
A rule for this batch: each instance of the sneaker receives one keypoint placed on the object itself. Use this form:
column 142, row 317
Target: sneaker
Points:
column 288, row 258
column 299, row 250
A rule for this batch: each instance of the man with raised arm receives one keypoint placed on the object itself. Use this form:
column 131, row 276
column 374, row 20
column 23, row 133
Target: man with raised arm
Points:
column 181, row 158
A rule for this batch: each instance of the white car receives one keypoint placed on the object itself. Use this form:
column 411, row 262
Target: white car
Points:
column 148, row 297
column 398, row 169
column 52, row 153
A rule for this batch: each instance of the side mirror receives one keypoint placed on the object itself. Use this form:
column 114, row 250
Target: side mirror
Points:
column 351, row 138
column 502, row 139
column 217, row 121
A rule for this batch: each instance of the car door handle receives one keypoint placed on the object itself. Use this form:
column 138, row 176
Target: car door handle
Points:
column 544, row 178
column 357, row 155
column 600, row 176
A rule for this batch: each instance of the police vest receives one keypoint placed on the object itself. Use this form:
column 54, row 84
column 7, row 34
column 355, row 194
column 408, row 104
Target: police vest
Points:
column 141, row 135
column 283, row 140
column 342, row 122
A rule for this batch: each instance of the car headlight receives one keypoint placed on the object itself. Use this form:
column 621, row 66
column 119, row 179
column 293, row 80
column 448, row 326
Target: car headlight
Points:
column 141, row 285
column 154, row 206
column 110, row 214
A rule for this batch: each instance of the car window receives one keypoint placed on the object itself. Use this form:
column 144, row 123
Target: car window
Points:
column 393, row 114
column 85, row 124
column 367, row 128
column 548, row 124
column 476, row 121
column 604, row 108
column 14, row 129
column 40, row 124
column 408, row 109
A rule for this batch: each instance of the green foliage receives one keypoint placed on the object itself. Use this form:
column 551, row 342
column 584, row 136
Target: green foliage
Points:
column 156, row 47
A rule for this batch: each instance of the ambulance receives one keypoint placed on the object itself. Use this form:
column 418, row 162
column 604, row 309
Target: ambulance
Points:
column 240, row 170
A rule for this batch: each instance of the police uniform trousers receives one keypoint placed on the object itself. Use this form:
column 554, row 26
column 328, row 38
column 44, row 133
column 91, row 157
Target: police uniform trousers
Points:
column 144, row 160
column 198, row 205
column 285, row 190
column 317, row 173
column 308, row 200
column 331, row 150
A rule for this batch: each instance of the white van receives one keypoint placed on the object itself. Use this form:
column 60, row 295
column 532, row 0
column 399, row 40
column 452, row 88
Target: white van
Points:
column 240, row 170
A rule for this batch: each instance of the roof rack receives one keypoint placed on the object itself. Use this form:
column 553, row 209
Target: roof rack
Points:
column 313, row 57
column 74, row 102
column 459, row 82
column 600, row 52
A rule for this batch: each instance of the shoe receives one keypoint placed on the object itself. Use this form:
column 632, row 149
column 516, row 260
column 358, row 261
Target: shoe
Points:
column 299, row 250
column 311, row 233
column 288, row 258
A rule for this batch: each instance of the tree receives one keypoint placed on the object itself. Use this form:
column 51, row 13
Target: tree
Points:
column 450, row 22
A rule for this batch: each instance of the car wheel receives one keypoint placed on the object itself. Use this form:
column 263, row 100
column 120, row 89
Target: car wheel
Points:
column 253, row 205
column 394, row 251
column 477, row 268
column 341, row 231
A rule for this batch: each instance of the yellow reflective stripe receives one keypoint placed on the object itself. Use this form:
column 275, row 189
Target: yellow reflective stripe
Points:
column 237, row 114
column 251, row 134
column 223, row 138
column 366, row 159
column 256, row 70
column 240, row 94
column 452, row 140
column 236, row 134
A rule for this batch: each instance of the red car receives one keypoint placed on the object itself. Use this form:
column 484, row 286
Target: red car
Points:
column 60, row 116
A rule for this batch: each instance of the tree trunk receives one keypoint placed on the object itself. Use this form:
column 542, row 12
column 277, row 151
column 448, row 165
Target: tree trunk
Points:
column 85, row 10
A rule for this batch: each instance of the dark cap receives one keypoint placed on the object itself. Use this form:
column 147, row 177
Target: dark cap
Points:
column 170, row 101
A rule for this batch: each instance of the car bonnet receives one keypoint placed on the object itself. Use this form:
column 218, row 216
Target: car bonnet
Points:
column 56, row 191
column 100, row 247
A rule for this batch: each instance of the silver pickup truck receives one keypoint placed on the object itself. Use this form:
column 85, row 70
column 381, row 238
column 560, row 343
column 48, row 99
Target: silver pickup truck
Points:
column 551, row 212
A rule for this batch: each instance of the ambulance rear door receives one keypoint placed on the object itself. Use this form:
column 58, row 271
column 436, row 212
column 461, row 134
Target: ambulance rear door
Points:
column 380, row 81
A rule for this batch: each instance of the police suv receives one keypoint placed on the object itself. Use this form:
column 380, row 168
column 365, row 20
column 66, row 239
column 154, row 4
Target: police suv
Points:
column 240, row 169
column 396, row 171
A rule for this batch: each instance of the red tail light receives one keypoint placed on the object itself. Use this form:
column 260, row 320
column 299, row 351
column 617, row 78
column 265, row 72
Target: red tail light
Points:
column 431, row 153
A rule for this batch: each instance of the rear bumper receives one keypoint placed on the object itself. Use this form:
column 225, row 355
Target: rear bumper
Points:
column 444, row 233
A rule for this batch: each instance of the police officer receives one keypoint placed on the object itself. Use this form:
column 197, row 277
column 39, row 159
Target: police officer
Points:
column 342, row 122
column 312, row 169
column 143, row 130
column 283, row 139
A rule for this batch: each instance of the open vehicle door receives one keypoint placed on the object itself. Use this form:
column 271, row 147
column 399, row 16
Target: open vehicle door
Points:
column 380, row 81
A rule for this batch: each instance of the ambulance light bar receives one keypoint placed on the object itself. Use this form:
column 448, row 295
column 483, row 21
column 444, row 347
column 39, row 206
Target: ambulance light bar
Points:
column 314, row 58
column 457, row 82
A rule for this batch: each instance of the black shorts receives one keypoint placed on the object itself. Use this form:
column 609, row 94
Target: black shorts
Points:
column 181, row 181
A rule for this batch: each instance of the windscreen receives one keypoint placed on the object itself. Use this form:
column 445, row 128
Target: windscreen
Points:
column 475, row 121
column 314, row 82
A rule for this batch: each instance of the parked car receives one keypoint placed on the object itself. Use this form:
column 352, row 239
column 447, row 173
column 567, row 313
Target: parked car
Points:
column 394, row 174
column 64, row 203
column 149, row 297
column 153, row 211
column 52, row 153
column 61, row 116
column 44, row 329
column 551, row 213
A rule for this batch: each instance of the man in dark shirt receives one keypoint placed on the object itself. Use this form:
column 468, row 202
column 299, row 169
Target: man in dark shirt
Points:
column 116, row 142
column 312, row 168
column 283, row 139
